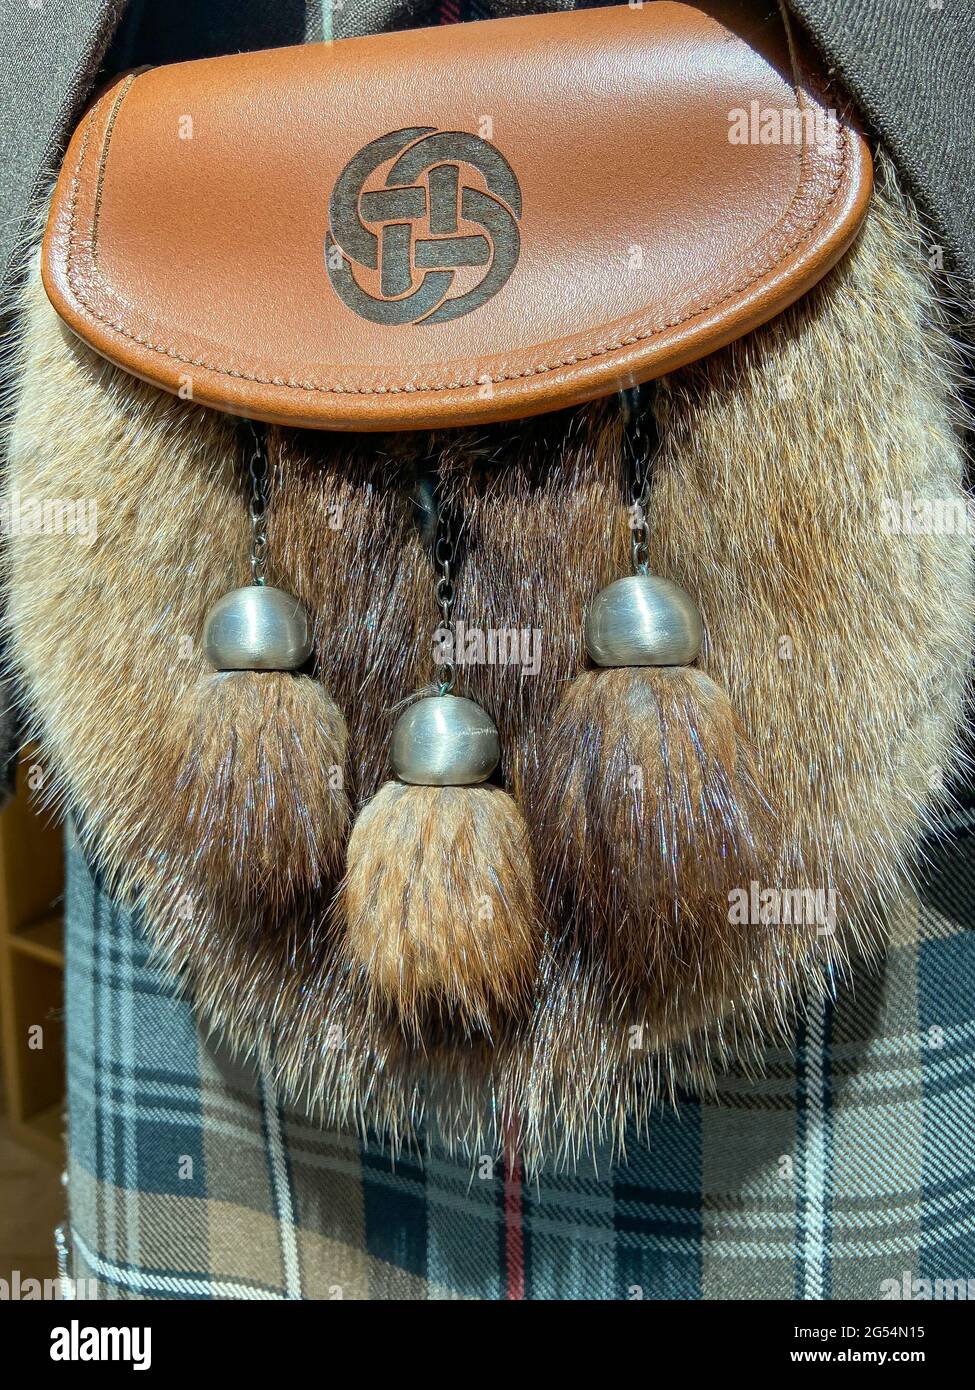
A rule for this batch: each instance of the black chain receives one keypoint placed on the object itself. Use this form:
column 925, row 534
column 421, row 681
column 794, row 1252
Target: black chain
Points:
column 444, row 554
column 257, row 462
column 638, row 440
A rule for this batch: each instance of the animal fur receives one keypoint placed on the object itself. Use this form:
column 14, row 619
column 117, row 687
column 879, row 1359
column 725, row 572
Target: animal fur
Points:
column 438, row 905
column 258, row 810
column 648, row 816
column 843, row 647
column 224, row 782
column 342, row 532
column 542, row 524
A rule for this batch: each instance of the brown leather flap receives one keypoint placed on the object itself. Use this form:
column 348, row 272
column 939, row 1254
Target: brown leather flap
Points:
column 450, row 225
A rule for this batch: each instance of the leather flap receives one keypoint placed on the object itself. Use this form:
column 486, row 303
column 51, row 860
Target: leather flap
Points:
column 452, row 225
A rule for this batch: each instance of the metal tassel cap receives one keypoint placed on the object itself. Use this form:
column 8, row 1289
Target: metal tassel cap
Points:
column 643, row 621
column 258, row 628
column 445, row 741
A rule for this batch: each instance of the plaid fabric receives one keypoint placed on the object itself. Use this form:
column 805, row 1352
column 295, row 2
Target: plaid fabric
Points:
column 849, row 1163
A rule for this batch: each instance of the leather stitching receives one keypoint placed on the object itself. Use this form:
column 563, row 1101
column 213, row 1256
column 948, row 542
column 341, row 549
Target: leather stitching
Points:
column 103, row 165
column 804, row 234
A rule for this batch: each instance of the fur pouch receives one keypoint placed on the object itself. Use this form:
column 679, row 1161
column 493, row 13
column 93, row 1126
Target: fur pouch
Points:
column 840, row 636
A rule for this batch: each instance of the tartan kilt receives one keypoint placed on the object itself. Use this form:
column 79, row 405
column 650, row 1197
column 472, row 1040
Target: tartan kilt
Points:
column 848, row 1167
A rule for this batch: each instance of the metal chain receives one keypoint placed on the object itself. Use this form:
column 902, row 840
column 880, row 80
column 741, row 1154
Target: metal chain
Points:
column 258, row 505
column 638, row 447
column 444, row 554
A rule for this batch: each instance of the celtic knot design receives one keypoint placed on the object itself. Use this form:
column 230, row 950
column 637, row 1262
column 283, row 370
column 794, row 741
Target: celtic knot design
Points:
column 417, row 249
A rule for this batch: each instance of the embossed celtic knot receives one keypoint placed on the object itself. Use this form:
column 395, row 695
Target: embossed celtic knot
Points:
column 417, row 250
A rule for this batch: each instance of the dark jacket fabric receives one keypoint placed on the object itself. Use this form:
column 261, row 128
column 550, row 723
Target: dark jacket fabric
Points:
column 49, row 55
column 910, row 66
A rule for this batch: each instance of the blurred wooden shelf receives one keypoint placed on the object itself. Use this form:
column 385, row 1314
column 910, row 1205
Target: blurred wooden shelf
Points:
column 43, row 1132
column 32, row 969
column 44, row 940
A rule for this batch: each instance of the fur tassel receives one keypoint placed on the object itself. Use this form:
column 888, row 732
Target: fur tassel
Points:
column 649, row 817
column 438, row 903
column 261, row 790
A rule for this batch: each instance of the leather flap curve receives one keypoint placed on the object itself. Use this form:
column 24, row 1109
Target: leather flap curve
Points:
column 452, row 225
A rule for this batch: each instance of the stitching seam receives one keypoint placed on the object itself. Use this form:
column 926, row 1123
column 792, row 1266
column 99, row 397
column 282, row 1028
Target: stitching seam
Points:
column 103, row 165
